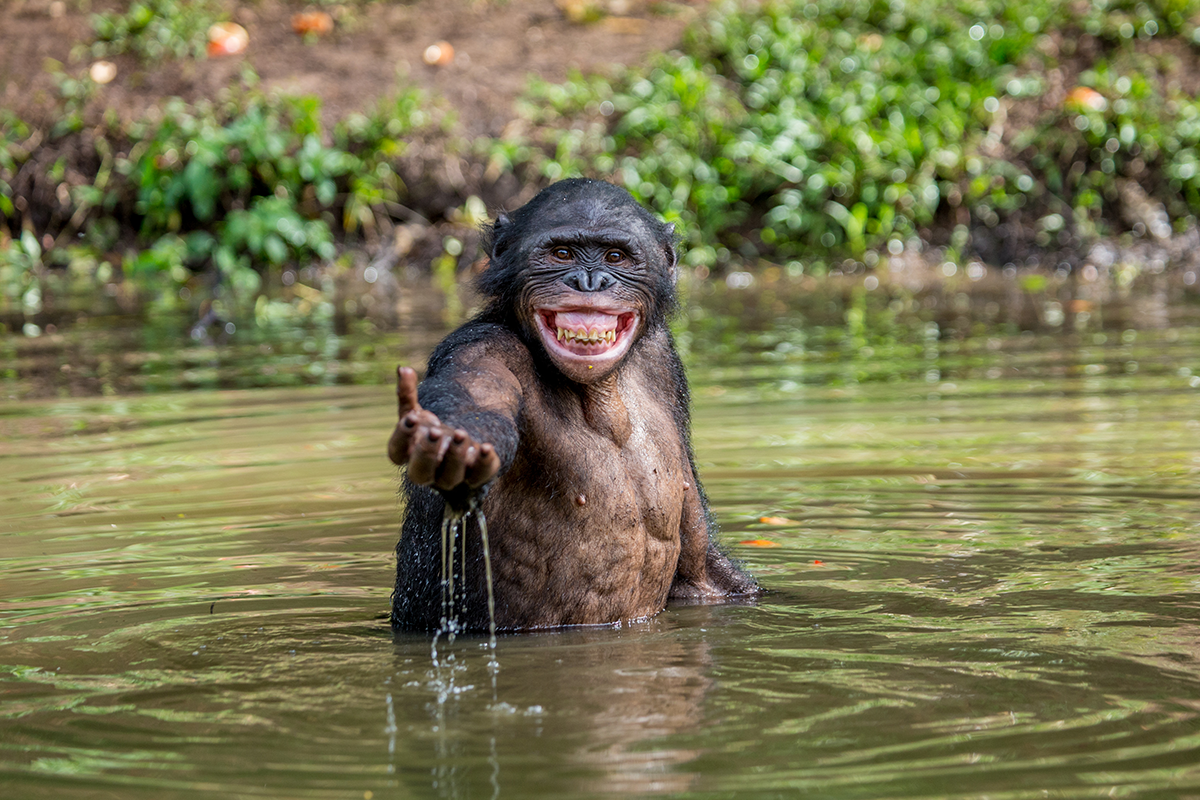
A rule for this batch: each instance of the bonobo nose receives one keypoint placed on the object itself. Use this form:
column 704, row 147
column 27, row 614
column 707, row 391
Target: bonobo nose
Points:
column 583, row 280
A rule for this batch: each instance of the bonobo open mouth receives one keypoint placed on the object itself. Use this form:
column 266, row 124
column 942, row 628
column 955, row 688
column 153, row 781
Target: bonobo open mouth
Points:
column 587, row 336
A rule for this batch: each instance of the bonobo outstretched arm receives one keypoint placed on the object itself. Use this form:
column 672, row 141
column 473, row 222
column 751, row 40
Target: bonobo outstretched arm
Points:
column 448, row 459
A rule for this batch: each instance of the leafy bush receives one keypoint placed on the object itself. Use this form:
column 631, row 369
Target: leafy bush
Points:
column 12, row 132
column 843, row 126
column 201, row 162
column 156, row 29
column 20, row 260
column 247, row 184
column 258, row 165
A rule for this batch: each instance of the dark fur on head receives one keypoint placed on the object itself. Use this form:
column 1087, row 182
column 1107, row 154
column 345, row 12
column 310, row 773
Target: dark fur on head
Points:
column 578, row 203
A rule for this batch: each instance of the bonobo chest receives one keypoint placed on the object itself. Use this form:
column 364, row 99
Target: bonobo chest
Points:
column 587, row 520
column 632, row 454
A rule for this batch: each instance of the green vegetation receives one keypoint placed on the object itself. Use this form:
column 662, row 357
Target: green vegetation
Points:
column 846, row 126
column 245, row 186
column 799, row 133
column 155, row 29
column 12, row 132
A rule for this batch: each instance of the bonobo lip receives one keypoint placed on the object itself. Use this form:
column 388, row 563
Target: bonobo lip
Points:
column 586, row 336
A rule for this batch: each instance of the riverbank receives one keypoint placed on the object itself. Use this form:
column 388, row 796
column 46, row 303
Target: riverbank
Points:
column 909, row 146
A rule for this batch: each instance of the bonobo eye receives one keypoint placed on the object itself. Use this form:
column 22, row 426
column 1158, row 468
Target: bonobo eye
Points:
column 614, row 257
column 561, row 253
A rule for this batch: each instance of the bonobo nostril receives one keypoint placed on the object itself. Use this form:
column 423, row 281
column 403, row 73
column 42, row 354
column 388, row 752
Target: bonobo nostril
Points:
column 582, row 280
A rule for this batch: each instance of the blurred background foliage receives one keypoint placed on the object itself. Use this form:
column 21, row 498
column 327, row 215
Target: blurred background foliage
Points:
column 237, row 188
column 156, row 29
column 789, row 132
column 808, row 130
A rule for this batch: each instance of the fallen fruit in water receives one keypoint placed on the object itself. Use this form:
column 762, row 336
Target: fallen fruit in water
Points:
column 227, row 39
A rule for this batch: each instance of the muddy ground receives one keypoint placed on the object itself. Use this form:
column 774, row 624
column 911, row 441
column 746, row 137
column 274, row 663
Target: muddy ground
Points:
column 498, row 45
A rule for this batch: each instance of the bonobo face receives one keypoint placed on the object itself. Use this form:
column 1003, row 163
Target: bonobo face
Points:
column 585, row 298
column 586, row 271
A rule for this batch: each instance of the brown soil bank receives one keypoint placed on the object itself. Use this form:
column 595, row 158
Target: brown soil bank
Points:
column 473, row 59
column 489, row 51
column 497, row 47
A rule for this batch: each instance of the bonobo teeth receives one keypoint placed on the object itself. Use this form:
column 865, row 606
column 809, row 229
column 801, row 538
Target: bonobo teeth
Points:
column 592, row 336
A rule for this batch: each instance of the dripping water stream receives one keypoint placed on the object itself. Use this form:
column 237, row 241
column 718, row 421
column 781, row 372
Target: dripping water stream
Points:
column 455, row 525
column 454, row 582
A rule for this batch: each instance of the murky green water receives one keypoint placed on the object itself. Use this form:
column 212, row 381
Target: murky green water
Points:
column 984, row 582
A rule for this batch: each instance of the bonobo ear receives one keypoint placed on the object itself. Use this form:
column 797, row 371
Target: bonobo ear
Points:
column 669, row 238
column 499, row 237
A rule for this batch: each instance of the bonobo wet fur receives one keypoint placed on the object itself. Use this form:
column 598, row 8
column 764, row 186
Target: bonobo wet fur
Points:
column 562, row 410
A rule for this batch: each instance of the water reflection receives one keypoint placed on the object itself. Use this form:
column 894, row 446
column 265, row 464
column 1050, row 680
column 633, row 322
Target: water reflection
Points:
column 588, row 710
column 842, row 330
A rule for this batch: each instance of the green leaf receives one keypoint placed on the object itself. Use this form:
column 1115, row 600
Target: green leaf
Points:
column 29, row 244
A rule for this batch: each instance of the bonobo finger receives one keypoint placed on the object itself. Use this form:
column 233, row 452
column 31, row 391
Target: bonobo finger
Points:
column 487, row 464
column 400, row 443
column 406, row 390
column 428, row 447
column 454, row 463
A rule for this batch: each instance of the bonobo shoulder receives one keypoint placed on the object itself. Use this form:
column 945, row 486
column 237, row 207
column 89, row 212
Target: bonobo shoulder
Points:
column 473, row 340
column 481, row 363
column 478, row 342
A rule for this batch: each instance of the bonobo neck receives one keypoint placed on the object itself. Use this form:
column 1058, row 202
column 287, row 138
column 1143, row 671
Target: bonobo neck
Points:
column 604, row 409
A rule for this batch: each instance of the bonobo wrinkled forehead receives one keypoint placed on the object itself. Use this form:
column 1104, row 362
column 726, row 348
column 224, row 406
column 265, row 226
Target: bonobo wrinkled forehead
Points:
column 589, row 215
column 580, row 210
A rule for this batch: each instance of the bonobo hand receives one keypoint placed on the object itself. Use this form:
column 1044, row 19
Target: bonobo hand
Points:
column 447, row 459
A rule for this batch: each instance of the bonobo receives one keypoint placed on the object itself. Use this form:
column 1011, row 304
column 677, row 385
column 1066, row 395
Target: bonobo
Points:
column 562, row 410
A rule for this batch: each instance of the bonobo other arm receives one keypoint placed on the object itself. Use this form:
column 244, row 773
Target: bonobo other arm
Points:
column 704, row 573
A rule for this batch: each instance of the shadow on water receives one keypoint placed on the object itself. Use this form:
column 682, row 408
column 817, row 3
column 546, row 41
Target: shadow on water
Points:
column 980, row 543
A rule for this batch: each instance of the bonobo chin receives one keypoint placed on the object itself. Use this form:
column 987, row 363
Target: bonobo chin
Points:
column 561, row 414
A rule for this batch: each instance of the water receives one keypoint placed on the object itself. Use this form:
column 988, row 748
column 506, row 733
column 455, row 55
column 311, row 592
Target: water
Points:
column 455, row 536
column 982, row 551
